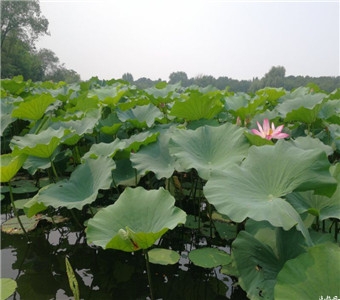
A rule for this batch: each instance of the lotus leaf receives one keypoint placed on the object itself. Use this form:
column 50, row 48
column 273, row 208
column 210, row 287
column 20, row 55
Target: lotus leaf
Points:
column 82, row 187
column 197, row 106
column 155, row 157
column 135, row 221
column 34, row 107
column 311, row 275
column 10, row 165
column 209, row 257
column 163, row 256
column 257, row 188
column 40, row 145
column 209, row 148
column 141, row 116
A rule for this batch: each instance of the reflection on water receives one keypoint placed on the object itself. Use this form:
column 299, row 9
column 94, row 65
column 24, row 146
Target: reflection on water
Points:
column 40, row 272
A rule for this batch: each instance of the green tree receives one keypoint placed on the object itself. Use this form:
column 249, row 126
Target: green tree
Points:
column 22, row 19
column 128, row 77
column 179, row 76
column 275, row 77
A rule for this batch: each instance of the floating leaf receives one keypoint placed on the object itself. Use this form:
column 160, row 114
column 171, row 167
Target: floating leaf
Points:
column 82, row 187
column 135, row 221
column 7, row 287
column 163, row 256
column 209, row 257
column 209, row 148
column 311, row 275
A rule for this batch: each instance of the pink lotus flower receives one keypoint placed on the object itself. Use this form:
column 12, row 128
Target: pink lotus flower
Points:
column 268, row 132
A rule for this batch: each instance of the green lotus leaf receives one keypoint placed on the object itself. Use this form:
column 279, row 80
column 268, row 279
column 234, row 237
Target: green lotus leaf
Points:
column 131, row 144
column 209, row 257
column 155, row 157
column 258, row 263
column 34, row 107
column 135, row 221
column 15, row 85
column 163, row 256
column 110, row 125
column 334, row 130
column 330, row 111
column 124, row 173
column 311, row 275
column 82, row 187
column 10, row 164
column 272, row 95
column 6, row 109
column 209, row 148
column 197, row 106
column 77, row 128
column 141, row 116
column 307, row 142
column 242, row 105
column 7, row 287
column 303, row 108
column 83, row 104
column 257, row 187
column 318, row 205
column 40, row 145
column 108, row 94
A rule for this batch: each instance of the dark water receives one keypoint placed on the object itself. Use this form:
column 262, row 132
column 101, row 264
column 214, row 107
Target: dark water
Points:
column 40, row 272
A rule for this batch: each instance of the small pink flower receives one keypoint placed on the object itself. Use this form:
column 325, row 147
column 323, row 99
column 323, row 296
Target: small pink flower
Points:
column 268, row 132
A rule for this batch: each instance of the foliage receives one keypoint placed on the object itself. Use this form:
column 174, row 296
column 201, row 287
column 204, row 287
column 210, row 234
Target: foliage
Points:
column 132, row 163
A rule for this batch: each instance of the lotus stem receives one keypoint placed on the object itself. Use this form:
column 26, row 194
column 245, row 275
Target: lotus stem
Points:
column 15, row 210
column 146, row 256
column 54, row 170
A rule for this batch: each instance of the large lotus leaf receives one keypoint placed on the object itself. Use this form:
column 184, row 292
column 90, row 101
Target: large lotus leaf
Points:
column 83, row 104
column 155, row 157
column 110, row 125
column 258, row 262
column 303, row 108
column 41, row 145
column 141, row 116
column 135, row 221
column 82, row 187
column 197, row 106
column 209, row 148
column 272, row 95
column 317, row 205
column 10, row 164
column 311, row 275
column 257, row 187
column 34, row 107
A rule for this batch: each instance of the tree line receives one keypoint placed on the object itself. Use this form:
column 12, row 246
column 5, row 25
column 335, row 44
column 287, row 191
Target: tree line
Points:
column 274, row 78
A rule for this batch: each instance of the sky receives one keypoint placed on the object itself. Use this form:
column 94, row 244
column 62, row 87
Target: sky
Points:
column 153, row 38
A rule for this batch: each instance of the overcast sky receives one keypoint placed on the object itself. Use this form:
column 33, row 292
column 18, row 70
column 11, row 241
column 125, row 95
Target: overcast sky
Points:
column 153, row 38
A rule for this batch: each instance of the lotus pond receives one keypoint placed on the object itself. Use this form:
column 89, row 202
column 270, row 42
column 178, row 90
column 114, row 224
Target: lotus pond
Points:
column 112, row 192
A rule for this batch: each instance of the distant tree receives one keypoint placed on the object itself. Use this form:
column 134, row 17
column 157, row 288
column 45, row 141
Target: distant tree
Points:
column 63, row 74
column 179, row 76
column 128, row 77
column 144, row 83
column 204, row 80
column 275, row 77
column 49, row 61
